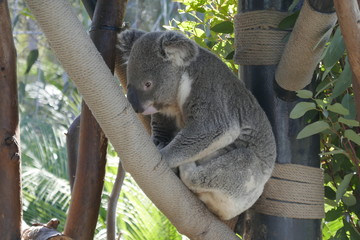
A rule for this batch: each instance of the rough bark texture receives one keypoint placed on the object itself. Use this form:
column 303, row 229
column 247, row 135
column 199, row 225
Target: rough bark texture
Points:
column 86, row 196
column 10, row 180
column 349, row 19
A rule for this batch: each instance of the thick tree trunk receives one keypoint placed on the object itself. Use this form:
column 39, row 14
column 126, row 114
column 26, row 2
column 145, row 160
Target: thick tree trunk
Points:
column 349, row 19
column 10, row 180
column 86, row 195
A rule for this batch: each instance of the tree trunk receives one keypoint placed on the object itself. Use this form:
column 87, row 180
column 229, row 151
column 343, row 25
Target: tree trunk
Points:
column 349, row 19
column 89, row 180
column 10, row 180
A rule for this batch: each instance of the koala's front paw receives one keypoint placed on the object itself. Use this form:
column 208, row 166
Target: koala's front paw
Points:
column 186, row 170
column 161, row 145
column 168, row 158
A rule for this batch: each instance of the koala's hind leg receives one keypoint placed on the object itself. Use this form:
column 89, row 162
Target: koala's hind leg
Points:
column 228, row 184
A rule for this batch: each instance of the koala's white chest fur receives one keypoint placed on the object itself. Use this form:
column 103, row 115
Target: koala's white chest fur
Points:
column 184, row 89
column 183, row 93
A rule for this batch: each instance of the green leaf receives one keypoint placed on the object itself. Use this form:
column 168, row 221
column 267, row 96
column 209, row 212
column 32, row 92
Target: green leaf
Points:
column 353, row 136
column 339, row 151
column 338, row 108
column 343, row 186
column 301, row 108
column 223, row 27
column 31, row 59
column 289, row 22
column 335, row 50
column 349, row 122
column 230, row 56
column 349, row 200
column 340, row 235
column 313, row 129
column 343, row 82
column 330, row 193
column 333, row 214
column 349, row 103
column 304, row 94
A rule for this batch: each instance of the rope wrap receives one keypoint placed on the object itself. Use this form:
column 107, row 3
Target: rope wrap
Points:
column 258, row 41
column 293, row 191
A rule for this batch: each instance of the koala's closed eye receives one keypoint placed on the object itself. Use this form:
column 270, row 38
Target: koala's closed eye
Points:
column 204, row 121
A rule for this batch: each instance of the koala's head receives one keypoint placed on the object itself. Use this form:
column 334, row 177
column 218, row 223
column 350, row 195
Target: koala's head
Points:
column 156, row 62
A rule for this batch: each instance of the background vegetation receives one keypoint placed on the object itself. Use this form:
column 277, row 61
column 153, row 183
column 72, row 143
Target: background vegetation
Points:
column 49, row 101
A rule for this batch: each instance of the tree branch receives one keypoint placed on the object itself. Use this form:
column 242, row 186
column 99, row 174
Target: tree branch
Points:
column 116, row 117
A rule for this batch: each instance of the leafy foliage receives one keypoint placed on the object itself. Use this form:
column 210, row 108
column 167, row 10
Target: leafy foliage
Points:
column 340, row 139
column 137, row 217
column 211, row 25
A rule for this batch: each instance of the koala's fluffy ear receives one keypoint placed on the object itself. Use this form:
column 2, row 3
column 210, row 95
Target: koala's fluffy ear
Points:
column 126, row 41
column 178, row 48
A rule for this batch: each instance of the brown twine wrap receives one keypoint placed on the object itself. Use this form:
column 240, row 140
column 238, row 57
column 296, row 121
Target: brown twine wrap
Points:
column 293, row 191
column 304, row 49
column 258, row 41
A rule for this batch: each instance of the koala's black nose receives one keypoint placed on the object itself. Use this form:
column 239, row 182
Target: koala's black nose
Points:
column 133, row 98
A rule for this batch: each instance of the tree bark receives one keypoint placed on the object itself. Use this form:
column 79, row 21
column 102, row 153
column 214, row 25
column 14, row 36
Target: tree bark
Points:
column 10, row 180
column 72, row 148
column 89, row 180
column 349, row 19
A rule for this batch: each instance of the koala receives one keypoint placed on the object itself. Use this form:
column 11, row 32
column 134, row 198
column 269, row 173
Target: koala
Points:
column 204, row 121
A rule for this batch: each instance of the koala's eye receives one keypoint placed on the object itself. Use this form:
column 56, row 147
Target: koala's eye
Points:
column 148, row 84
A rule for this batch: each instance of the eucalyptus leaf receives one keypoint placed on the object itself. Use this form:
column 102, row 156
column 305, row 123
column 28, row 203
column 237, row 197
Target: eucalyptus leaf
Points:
column 353, row 136
column 349, row 122
column 338, row 108
column 333, row 214
column 304, row 94
column 301, row 108
column 31, row 59
column 289, row 22
column 343, row 82
column 223, row 27
column 343, row 186
column 335, row 50
column 312, row 129
column 330, row 193
column 349, row 200
column 349, row 102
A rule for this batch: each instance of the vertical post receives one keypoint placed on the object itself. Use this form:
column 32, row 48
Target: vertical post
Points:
column 89, row 180
column 278, row 103
column 10, row 180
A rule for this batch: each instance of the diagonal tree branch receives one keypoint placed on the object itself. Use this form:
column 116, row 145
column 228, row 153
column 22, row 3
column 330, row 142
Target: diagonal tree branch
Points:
column 120, row 124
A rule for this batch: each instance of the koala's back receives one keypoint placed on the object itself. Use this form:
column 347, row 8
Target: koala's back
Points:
column 220, row 98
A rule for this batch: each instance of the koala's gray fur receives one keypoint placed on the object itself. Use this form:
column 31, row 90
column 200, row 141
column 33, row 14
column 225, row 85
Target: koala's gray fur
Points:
column 204, row 121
